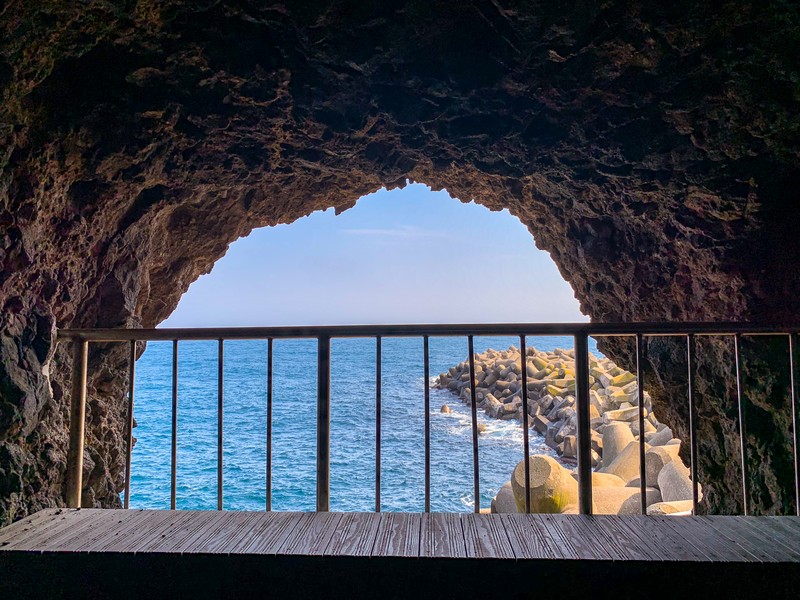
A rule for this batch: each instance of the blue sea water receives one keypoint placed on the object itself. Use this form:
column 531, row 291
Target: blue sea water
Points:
column 294, row 427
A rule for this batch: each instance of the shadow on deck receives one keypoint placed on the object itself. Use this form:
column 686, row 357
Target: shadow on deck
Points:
column 136, row 553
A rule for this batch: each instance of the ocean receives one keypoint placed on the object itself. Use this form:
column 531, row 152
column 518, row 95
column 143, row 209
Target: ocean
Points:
column 294, row 427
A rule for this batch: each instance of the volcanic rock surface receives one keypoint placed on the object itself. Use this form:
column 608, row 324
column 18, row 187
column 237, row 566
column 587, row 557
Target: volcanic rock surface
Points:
column 650, row 147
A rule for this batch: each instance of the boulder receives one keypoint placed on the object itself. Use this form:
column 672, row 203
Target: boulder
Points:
column 633, row 505
column 615, row 500
column 661, row 437
column 656, row 458
column 540, row 424
column 674, row 482
column 567, row 428
column 570, row 446
column 552, row 487
column 622, row 414
column 504, row 501
column 679, row 507
column 616, row 436
column 648, row 427
column 596, row 441
column 492, row 406
column 603, row 480
column 623, row 378
column 546, row 402
column 509, row 409
column 626, row 464
column 550, row 435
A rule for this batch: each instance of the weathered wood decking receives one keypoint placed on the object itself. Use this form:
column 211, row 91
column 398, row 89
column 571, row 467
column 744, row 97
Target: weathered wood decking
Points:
column 93, row 553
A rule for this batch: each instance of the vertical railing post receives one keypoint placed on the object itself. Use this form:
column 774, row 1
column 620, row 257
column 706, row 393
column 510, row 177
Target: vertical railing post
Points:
column 737, row 339
column 220, row 407
column 693, row 457
column 378, row 409
column 427, row 387
column 323, row 423
column 523, row 351
column 584, row 423
column 476, row 474
column 77, row 423
column 795, row 380
column 269, row 425
column 640, row 391
column 129, row 422
column 173, row 475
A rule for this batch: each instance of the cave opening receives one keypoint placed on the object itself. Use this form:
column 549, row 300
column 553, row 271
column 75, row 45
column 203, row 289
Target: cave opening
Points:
column 410, row 255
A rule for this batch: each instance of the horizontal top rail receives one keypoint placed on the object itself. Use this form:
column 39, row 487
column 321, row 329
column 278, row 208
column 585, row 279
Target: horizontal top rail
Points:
column 354, row 331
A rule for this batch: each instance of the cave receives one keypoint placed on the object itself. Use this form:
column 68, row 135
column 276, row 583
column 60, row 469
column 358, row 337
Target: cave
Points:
column 651, row 148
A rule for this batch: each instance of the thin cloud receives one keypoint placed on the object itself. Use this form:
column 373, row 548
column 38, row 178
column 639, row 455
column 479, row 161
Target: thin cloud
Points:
column 403, row 232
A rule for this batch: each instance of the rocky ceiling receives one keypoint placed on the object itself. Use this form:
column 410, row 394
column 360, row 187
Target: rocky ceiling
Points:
column 650, row 147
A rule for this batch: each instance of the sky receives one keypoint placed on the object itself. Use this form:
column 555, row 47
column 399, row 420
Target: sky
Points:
column 399, row 256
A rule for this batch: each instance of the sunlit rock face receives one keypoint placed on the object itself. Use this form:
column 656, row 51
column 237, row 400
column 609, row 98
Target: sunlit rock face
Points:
column 651, row 148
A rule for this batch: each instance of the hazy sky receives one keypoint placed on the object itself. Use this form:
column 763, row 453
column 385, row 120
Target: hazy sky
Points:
column 401, row 256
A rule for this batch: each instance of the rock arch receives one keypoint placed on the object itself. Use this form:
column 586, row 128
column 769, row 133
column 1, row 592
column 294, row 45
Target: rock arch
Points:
column 651, row 147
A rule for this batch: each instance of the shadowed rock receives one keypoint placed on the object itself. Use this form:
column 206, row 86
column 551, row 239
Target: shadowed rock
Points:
column 652, row 150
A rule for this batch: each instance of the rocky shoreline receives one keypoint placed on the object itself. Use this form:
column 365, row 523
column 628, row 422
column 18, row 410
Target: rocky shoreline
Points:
column 614, row 412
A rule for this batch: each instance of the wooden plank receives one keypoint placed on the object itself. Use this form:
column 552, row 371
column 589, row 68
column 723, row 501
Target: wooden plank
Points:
column 485, row 536
column 706, row 539
column 356, row 535
column 615, row 541
column 40, row 528
column 398, row 535
column 570, row 528
column 129, row 530
column 183, row 527
column 436, row 535
column 442, row 535
column 315, row 537
column 217, row 540
column 649, row 541
column 772, row 530
column 622, row 536
column 771, row 536
column 103, row 524
column 212, row 526
column 759, row 547
column 529, row 541
column 23, row 526
column 695, row 534
column 791, row 523
column 639, row 528
column 290, row 524
column 63, row 527
column 790, row 528
column 555, row 537
column 266, row 527
column 743, row 538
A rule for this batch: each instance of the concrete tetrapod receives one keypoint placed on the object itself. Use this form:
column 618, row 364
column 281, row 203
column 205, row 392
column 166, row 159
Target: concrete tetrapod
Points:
column 552, row 487
column 616, row 436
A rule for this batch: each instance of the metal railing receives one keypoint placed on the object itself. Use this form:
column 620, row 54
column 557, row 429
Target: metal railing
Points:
column 580, row 332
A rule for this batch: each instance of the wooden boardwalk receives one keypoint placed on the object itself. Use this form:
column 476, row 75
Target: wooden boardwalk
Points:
column 130, row 553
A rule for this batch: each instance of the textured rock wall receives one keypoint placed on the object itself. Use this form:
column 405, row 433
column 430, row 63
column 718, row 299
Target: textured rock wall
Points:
column 651, row 148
